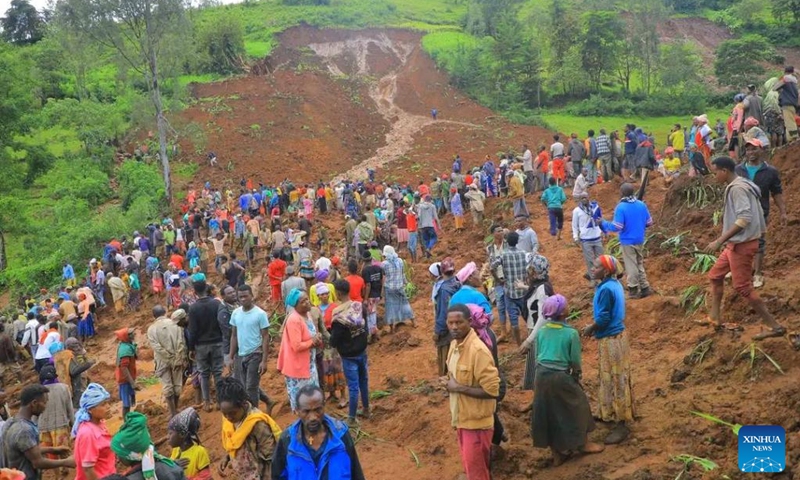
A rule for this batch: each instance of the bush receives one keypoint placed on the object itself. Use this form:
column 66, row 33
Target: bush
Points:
column 139, row 180
column 76, row 179
column 597, row 105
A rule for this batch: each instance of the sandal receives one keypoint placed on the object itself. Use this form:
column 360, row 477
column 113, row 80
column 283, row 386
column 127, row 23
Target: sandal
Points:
column 773, row 332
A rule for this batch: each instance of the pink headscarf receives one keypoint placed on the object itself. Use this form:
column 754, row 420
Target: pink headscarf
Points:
column 554, row 306
column 466, row 272
column 479, row 320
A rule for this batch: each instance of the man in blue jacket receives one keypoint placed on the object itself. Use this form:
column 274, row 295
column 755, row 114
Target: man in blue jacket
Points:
column 631, row 219
column 317, row 446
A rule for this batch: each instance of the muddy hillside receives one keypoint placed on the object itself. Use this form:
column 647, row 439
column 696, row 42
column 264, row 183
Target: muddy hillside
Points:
column 337, row 102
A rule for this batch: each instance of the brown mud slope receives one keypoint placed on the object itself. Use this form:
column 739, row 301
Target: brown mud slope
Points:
column 708, row 35
column 410, row 436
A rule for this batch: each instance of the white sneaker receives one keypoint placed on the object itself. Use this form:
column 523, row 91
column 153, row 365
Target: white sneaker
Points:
column 758, row 281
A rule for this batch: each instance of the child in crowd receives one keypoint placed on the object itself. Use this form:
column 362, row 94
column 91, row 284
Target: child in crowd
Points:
column 187, row 451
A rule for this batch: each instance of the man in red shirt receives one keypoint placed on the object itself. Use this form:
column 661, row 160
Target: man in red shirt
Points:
column 356, row 281
column 423, row 189
column 411, row 225
column 276, row 270
column 176, row 259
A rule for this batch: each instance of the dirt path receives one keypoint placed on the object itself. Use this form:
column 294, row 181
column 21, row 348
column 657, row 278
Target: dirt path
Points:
column 403, row 125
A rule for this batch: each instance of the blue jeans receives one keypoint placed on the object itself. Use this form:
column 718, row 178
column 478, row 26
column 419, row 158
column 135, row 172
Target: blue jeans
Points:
column 355, row 371
column 502, row 303
column 514, row 309
column 428, row 235
column 412, row 243
column 556, row 216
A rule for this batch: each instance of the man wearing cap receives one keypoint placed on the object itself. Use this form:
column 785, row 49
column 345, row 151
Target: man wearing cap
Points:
column 169, row 353
column 768, row 180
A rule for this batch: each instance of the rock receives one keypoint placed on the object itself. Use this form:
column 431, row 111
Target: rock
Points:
column 678, row 376
column 413, row 342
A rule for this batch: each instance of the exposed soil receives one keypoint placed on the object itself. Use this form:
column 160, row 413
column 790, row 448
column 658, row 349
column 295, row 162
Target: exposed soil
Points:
column 396, row 133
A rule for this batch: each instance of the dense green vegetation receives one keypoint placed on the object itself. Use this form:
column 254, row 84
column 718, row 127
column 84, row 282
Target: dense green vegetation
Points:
column 71, row 89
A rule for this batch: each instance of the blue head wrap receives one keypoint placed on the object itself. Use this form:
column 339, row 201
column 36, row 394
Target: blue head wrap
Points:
column 93, row 396
column 293, row 297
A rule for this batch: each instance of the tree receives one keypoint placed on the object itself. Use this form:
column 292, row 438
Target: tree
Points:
column 646, row 16
column 600, row 41
column 221, row 45
column 738, row 61
column 787, row 12
column 22, row 24
column 138, row 30
column 681, row 65
column 562, row 27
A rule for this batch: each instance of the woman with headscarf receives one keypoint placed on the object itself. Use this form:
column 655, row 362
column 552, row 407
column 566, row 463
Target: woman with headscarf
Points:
column 305, row 262
column 349, row 336
column 193, row 255
column 481, row 322
column 249, row 435
column 296, row 358
column 457, row 208
column 539, row 289
column 187, row 451
column 93, row 456
column 561, row 418
column 616, row 391
column 328, row 361
column 774, row 126
column 54, row 422
column 118, row 291
column 134, row 448
column 322, row 277
column 469, row 293
column 397, row 308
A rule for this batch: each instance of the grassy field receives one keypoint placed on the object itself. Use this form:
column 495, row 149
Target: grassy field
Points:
column 264, row 19
column 58, row 141
column 659, row 125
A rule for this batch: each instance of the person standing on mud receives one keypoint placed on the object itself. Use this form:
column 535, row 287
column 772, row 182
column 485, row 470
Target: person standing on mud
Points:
column 631, row 220
column 474, row 385
column 427, row 217
column 516, row 194
column 205, row 338
column 768, row 179
column 742, row 225
column 527, row 168
column 614, row 366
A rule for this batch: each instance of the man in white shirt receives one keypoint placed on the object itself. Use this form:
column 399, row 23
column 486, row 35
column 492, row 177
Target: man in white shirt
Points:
column 528, row 241
column 527, row 168
column 43, row 355
column 581, row 184
column 557, row 148
column 586, row 232
column 322, row 263
column 31, row 337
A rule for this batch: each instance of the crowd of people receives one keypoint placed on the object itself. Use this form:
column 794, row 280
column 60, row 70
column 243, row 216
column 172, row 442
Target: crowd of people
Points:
column 333, row 293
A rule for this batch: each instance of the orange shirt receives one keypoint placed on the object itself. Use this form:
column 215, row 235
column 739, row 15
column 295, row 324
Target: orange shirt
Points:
column 424, row 190
column 177, row 260
column 411, row 222
column 130, row 364
column 543, row 160
column 276, row 270
column 356, row 287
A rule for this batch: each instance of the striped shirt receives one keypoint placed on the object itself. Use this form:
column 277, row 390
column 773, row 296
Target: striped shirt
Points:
column 514, row 266
column 603, row 145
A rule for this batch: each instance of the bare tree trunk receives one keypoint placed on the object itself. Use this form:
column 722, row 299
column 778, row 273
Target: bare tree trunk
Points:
column 162, row 125
column 3, row 261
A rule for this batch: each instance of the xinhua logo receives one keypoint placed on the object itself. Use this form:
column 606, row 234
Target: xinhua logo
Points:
column 762, row 448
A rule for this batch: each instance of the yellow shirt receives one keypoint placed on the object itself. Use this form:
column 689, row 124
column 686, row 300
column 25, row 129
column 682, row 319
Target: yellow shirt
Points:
column 197, row 456
column 677, row 139
column 672, row 165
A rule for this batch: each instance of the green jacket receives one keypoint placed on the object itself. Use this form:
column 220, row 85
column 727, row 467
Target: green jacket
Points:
column 554, row 197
